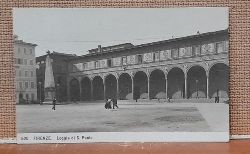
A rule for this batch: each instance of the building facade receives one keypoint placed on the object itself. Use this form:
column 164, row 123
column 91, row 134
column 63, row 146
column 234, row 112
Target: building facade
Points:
column 25, row 71
column 60, row 71
column 182, row 68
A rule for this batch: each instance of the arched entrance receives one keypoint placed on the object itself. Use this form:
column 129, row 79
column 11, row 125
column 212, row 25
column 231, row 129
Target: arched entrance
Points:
column 176, row 83
column 110, row 86
column 74, row 90
column 98, row 88
column 196, row 82
column 218, row 80
column 140, row 85
column 86, row 89
column 157, row 85
column 125, row 86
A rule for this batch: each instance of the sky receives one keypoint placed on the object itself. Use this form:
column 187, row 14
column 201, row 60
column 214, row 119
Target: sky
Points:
column 75, row 31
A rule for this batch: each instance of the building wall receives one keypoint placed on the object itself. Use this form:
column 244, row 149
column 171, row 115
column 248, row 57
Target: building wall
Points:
column 190, row 54
column 25, row 72
column 59, row 66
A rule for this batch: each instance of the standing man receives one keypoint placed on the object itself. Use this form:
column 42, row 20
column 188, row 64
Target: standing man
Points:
column 217, row 98
column 54, row 104
column 114, row 100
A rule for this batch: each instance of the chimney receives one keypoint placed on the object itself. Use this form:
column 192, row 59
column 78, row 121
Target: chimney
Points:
column 99, row 48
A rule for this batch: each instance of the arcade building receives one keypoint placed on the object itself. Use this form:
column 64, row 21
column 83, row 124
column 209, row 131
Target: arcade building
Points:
column 191, row 67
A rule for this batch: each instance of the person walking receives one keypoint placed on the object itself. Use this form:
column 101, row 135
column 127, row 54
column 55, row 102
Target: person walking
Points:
column 114, row 100
column 54, row 104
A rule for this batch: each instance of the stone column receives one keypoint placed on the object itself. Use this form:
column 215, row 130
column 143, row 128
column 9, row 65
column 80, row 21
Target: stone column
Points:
column 185, row 80
column 117, row 89
column 80, row 84
column 148, row 87
column 132, row 88
column 68, row 89
column 104, row 89
column 166, row 88
column 207, row 86
column 91, row 90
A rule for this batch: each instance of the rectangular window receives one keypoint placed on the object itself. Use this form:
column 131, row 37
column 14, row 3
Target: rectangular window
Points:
column 85, row 66
column 19, row 51
column 97, row 64
column 31, row 73
column 109, row 62
column 26, row 85
column 25, row 61
column 139, row 57
column 32, row 85
column 30, row 51
column 124, row 61
column 196, row 50
column 20, row 61
column 219, row 47
column 26, row 73
column 20, row 85
column 226, row 44
column 31, row 62
column 27, row 96
column 156, row 56
column 175, row 53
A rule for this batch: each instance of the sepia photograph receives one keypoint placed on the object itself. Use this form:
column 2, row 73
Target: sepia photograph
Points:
column 121, row 74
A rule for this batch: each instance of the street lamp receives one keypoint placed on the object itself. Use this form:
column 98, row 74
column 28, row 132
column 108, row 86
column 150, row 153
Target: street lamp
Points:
column 40, row 92
column 196, row 81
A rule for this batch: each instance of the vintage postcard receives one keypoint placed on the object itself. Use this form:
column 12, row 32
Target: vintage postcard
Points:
column 88, row 75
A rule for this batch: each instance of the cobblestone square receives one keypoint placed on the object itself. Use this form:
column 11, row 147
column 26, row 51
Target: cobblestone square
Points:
column 129, row 117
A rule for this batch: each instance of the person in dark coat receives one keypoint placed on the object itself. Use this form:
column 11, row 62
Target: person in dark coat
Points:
column 114, row 100
column 108, row 104
column 54, row 104
column 217, row 98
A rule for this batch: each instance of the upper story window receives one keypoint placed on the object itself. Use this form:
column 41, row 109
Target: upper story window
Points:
column 124, row 60
column 24, row 51
column 32, row 85
column 219, row 47
column 20, row 85
column 156, row 56
column 175, row 53
column 109, row 62
column 31, row 73
column 19, row 61
column 196, row 50
column 97, row 64
column 25, row 61
column 26, row 73
column 85, row 66
column 139, row 57
column 19, row 51
column 26, row 85
column 30, row 51
column 27, row 96
column 31, row 62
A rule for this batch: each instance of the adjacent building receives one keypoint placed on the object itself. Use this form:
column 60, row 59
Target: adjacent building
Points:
column 25, row 71
column 60, row 72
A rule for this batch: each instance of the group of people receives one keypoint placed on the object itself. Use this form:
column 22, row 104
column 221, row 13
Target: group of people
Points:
column 111, row 103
